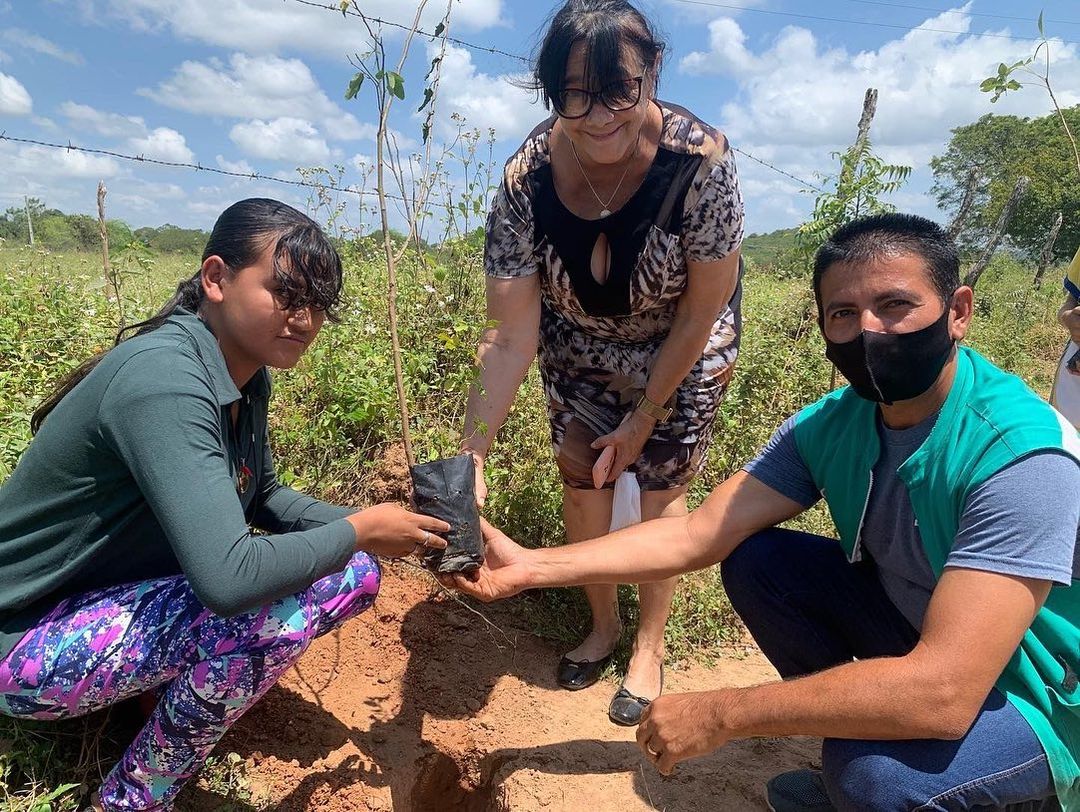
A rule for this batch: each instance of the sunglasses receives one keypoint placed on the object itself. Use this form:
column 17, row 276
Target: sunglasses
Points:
column 576, row 102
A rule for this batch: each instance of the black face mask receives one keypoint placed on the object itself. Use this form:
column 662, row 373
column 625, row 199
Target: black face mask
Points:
column 887, row 367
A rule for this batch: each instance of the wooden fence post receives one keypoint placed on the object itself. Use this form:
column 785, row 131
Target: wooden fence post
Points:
column 965, row 204
column 1047, row 251
column 977, row 269
column 29, row 219
column 112, row 287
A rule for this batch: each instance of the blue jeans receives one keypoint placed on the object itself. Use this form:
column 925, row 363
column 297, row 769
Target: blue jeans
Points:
column 809, row 609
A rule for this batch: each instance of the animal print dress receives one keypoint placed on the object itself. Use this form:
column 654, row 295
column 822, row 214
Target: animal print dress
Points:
column 598, row 340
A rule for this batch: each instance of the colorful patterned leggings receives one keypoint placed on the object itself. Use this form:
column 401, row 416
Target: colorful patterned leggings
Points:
column 98, row 648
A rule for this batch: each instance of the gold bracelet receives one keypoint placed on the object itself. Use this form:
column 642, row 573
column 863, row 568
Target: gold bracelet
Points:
column 654, row 410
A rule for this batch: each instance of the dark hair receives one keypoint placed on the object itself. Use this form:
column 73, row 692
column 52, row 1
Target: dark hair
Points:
column 879, row 235
column 606, row 27
column 306, row 265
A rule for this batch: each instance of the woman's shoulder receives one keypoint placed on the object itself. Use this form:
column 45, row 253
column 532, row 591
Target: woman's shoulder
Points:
column 684, row 132
column 533, row 154
column 166, row 359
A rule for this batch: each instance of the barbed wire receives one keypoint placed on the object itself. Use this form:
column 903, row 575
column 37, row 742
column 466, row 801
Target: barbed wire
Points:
column 253, row 175
column 337, row 9
column 808, row 185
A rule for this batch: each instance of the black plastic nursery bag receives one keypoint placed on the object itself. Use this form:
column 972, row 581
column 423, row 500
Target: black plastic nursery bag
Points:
column 446, row 489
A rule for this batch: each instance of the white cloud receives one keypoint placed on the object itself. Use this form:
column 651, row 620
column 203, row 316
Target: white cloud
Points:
column 111, row 125
column 257, row 87
column 282, row 139
column 33, row 42
column 797, row 92
column 163, row 144
column 14, row 100
column 241, row 166
column 797, row 101
column 255, row 26
column 62, row 178
column 486, row 101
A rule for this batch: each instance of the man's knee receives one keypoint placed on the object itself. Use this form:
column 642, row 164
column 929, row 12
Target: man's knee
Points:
column 860, row 776
column 741, row 572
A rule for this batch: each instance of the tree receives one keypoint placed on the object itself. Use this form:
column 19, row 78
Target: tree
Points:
column 1002, row 149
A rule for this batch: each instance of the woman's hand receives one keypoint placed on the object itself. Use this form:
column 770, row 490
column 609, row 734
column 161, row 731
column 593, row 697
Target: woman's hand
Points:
column 392, row 531
column 481, row 483
column 505, row 571
column 627, row 440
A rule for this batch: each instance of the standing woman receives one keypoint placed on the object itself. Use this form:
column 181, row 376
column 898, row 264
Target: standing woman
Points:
column 613, row 247
column 126, row 558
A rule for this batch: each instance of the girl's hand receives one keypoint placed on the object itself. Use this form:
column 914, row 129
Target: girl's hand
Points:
column 627, row 440
column 392, row 531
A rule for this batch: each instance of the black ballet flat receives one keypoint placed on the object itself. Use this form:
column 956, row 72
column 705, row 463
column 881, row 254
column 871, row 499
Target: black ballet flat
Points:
column 626, row 709
column 573, row 675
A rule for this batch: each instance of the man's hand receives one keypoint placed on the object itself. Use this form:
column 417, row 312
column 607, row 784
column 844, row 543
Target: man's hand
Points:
column 505, row 571
column 677, row 727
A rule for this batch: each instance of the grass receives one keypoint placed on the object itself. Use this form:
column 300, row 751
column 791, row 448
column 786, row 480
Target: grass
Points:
column 334, row 419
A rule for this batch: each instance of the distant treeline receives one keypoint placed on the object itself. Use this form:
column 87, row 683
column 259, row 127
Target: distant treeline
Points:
column 80, row 232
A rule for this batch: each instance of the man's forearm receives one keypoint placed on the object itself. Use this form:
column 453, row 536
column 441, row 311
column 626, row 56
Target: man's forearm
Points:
column 658, row 549
column 886, row 698
column 643, row 553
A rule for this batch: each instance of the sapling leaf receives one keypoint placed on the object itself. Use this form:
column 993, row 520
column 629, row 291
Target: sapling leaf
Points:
column 354, row 86
column 395, row 84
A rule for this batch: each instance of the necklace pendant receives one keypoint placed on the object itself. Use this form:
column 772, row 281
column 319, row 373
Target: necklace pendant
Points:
column 605, row 213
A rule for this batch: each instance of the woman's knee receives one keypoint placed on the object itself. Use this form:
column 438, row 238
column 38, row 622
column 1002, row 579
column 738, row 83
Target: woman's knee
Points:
column 345, row 594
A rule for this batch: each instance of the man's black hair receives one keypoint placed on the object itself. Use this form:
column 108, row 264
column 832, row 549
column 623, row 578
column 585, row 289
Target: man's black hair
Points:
column 880, row 235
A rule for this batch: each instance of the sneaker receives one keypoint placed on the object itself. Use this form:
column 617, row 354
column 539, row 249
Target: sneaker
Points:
column 798, row 791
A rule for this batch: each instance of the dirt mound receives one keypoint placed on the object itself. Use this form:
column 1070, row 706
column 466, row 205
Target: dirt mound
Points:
column 421, row 705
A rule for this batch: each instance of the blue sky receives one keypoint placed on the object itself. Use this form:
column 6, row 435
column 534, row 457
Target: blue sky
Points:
column 258, row 85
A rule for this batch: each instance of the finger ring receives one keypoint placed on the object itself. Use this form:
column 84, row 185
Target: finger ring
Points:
column 427, row 537
column 651, row 752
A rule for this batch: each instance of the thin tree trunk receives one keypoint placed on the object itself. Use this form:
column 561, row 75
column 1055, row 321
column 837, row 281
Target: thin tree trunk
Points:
column 965, row 204
column 1047, row 251
column 977, row 269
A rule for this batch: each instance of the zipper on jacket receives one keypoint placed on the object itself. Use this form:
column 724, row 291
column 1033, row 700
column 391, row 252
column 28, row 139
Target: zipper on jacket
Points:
column 856, row 550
